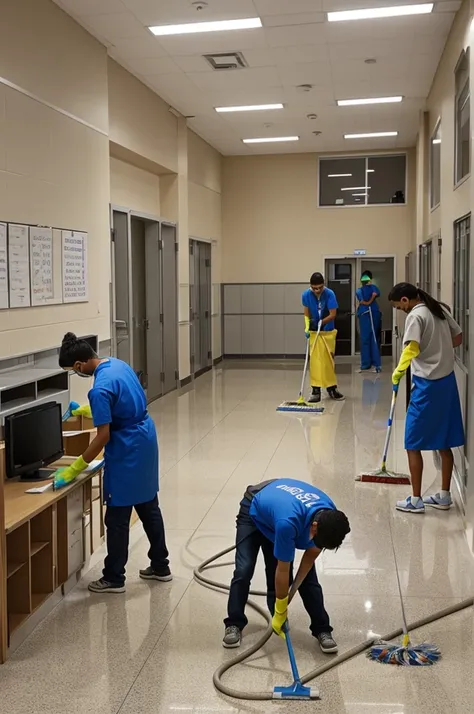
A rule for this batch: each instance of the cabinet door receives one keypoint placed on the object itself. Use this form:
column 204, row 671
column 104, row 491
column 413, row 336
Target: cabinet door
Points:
column 233, row 335
column 252, row 335
column 274, row 335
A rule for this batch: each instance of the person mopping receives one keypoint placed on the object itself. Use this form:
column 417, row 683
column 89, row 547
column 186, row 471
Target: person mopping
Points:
column 127, row 433
column 320, row 308
column 370, row 323
column 280, row 516
column 434, row 417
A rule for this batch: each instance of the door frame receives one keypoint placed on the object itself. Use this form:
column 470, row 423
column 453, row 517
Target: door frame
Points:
column 358, row 259
column 209, row 242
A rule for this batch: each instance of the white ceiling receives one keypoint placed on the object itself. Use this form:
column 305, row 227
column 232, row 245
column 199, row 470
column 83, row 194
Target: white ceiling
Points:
column 295, row 46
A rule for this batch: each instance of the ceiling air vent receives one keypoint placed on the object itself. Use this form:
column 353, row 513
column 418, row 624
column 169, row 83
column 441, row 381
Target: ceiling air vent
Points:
column 226, row 60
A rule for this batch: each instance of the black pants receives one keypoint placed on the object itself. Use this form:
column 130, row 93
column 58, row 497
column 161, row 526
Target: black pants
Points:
column 249, row 540
column 117, row 521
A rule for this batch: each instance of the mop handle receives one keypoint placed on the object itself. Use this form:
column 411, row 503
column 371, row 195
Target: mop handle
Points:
column 305, row 368
column 389, row 425
column 291, row 654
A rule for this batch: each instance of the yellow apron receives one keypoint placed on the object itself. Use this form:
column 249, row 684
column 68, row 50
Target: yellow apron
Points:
column 321, row 366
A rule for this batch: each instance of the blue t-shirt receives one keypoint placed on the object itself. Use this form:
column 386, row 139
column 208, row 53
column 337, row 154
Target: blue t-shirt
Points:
column 365, row 292
column 284, row 511
column 319, row 308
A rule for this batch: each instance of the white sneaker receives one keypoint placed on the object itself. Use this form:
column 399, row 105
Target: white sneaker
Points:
column 411, row 504
column 436, row 500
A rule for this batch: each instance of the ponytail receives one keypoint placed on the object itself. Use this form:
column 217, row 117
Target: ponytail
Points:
column 411, row 292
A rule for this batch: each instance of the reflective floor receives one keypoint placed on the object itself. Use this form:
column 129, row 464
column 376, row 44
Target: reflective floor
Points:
column 155, row 648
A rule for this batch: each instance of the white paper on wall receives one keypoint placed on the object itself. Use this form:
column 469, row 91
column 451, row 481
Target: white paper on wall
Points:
column 75, row 283
column 3, row 267
column 41, row 265
column 19, row 265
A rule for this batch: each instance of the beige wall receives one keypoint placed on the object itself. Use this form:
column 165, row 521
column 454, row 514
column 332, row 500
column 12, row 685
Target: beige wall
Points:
column 132, row 187
column 275, row 232
column 54, row 169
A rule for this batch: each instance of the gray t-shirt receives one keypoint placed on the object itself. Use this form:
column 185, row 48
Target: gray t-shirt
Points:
column 435, row 337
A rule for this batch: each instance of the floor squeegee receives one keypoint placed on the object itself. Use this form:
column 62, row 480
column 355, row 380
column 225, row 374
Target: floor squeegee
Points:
column 297, row 690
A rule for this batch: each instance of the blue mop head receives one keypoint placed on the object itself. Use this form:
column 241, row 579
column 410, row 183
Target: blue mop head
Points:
column 71, row 408
column 407, row 656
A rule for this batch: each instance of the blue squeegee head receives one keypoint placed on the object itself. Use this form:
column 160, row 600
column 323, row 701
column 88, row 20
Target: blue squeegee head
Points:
column 296, row 691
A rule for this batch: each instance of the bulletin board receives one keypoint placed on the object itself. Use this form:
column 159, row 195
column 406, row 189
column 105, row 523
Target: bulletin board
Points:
column 41, row 265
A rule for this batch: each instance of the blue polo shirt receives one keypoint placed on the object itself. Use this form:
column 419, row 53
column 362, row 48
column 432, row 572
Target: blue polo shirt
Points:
column 284, row 511
column 319, row 308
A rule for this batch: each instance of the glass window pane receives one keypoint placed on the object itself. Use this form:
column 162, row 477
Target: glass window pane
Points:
column 386, row 178
column 339, row 180
column 463, row 118
column 435, row 166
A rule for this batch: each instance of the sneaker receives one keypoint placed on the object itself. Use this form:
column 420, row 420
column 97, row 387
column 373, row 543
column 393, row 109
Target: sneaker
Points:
column 315, row 396
column 327, row 642
column 103, row 586
column 443, row 503
column 232, row 637
column 335, row 394
column 411, row 504
column 164, row 576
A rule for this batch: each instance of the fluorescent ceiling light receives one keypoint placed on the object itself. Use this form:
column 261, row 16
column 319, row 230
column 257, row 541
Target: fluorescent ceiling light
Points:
column 436, row 141
column 249, row 108
column 370, row 171
column 369, row 100
column 359, row 194
column 356, row 188
column 215, row 26
column 338, row 175
column 267, row 140
column 376, row 12
column 371, row 135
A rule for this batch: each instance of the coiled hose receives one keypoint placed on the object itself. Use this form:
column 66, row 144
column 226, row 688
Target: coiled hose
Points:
column 334, row 662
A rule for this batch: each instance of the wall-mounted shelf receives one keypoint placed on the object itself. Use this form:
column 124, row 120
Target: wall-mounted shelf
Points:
column 28, row 387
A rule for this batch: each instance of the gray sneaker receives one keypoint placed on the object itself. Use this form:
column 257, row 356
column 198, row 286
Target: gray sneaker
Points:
column 232, row 637
column 164, row 576
column 327, row 642
column 103, row 586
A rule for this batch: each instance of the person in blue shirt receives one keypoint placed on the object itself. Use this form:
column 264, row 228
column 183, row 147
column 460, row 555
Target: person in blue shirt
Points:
column 127, row 434
column 281, row 516
column 320, row 308
column 370, row 323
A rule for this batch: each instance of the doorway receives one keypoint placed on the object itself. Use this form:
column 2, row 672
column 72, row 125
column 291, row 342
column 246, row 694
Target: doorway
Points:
column 200, row 287
column 343, row 276
column 144, row 299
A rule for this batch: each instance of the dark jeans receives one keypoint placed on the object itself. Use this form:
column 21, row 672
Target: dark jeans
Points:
column 117, row 521
column 249, row 540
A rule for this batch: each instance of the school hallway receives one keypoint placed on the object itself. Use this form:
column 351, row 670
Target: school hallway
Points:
column 154, row 649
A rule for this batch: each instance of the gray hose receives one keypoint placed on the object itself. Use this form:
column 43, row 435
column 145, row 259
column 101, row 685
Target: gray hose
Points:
column 334, row 662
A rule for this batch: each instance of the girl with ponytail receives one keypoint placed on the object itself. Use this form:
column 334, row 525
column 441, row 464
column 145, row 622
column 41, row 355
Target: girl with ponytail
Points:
column 434, row 418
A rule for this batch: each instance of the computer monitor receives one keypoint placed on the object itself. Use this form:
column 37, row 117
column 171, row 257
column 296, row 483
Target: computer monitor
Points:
column 33, row 440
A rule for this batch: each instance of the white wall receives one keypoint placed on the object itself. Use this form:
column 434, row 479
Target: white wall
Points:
column 274, row 231
column 54, row 168
column 132, row 187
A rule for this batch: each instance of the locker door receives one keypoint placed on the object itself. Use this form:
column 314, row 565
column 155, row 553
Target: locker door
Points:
column 154, row 338
column 205, row 303
column 197, row 307
column 138, row 331
column 170, row 307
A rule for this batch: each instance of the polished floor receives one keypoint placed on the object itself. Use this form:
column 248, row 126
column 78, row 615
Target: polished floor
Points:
column 155, row 648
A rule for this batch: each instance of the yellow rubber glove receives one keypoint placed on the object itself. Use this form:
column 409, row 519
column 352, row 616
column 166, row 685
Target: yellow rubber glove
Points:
column 66, row 475
column 84, row 411
column 307, row 323
column 280, row 616
column 411, row 351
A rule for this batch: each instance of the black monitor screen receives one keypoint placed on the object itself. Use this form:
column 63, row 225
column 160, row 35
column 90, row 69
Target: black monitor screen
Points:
column 33, row 439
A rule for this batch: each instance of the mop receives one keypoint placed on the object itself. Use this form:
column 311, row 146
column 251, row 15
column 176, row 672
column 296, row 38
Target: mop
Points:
column 383, row 475
column 301, row 405
column 405, row 654
column 297, row 690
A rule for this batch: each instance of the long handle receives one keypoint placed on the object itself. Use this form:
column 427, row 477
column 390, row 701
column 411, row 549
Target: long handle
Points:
column 305, row 369
column 291, row 655
column 389, row 426
column 373, row 328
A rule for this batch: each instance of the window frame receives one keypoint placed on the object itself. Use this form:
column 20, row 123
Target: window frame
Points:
column 366, row 156
column 461, row 274
column 464, row 60
column 437, row 128
column 425, row 252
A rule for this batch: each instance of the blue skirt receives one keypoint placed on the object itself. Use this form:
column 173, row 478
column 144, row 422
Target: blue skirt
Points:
column 434, row 417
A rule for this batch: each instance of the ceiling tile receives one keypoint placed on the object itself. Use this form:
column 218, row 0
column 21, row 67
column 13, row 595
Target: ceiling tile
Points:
column 296, row 35
column 145, row 46
column 169, row 12
column 116, row 25
column 239, row 79
column 284, row 7
column 213, row 42
column 156, row 65
column 192, row 63
column 303, row 18
column 316, row 73
column 281, row 56
column 91, row 7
